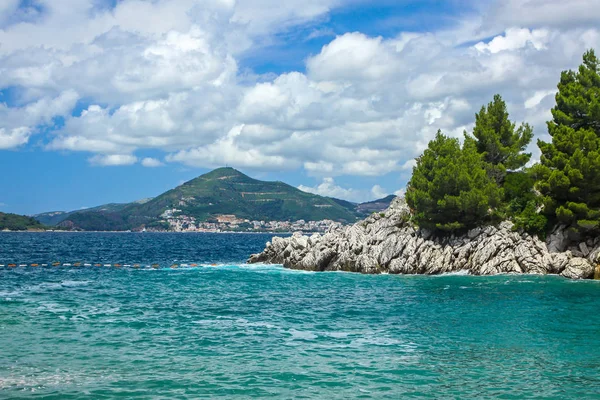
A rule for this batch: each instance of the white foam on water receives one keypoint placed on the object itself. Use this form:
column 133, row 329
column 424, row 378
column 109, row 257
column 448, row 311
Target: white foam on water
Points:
column 336, row 334
column 462, row 272
column 258, row 324
column 380, row 341
column 302, row 335
column 53, row 308
column 33, row 381
column 44, row 286
column 11, row 294
column 75, row 283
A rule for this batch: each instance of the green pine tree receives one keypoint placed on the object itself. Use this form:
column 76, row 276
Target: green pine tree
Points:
column 499, row 140
column 569, row 173
column 450, row 188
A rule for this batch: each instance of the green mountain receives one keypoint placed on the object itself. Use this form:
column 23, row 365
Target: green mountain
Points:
column 56, row 217
column 224, row 191
column 15, row 222
column 375, row 205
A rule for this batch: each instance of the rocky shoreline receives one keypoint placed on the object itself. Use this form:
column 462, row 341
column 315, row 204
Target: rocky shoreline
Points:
column 388, row 243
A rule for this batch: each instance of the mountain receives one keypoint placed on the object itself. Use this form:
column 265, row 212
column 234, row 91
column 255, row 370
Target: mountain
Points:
column 56, row 217
column 15, row 222
column 375, row 205
column 345, row 203
column 224, row 191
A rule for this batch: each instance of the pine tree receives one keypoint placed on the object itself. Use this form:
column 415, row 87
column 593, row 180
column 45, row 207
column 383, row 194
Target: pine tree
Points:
column 569, row 173
column 498, row 139
column 450, row 188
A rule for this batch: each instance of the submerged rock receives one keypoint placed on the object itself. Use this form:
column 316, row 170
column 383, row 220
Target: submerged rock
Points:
column 387, row 242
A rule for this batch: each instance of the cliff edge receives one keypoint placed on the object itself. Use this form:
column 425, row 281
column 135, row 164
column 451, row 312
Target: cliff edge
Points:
column 388, row 243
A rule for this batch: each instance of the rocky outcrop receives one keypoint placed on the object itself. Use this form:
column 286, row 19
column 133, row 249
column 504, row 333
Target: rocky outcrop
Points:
column 388, row 243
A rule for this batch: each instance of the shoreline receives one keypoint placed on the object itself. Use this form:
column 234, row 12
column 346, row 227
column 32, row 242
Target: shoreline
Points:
column 389, row 243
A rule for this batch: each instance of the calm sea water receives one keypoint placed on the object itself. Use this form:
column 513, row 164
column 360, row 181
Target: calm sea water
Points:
column 236, row 331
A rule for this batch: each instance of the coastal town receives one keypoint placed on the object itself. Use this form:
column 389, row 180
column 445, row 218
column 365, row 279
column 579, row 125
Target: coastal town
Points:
column 178, row 222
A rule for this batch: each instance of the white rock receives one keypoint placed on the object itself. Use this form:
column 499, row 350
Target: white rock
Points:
column 390, row 244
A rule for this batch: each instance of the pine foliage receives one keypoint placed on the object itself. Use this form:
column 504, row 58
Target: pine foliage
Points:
column 499, row 140
column 450, row 189
column 569, row 172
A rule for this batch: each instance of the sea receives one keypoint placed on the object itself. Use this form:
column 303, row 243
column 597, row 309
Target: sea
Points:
column 181, row 316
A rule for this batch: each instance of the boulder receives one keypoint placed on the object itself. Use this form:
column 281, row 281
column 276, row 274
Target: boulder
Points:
column 578, row 268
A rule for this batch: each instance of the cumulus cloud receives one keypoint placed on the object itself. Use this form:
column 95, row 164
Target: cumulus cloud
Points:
column 17, row 124
column 151, row 162
column 328, row 187
column 547, row 13
column 378, row 192
column 14, row 138
column 230, row 150
column 112, row 160
column 165, row 75
column 515, row 39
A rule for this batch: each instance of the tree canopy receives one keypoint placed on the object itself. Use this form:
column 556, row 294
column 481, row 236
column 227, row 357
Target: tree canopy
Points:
column 450, row 188
column 486, row 180
column 569, row 170
column 15, row 222
column 498, row 139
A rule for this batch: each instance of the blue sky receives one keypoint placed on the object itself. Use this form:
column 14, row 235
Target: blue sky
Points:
column 113, row 101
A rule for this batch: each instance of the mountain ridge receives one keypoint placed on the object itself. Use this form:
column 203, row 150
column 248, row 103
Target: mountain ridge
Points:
column 223, row 191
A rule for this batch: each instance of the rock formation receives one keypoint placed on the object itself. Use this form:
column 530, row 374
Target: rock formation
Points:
column 388, row 243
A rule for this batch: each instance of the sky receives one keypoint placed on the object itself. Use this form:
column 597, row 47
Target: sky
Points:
column 117, row 100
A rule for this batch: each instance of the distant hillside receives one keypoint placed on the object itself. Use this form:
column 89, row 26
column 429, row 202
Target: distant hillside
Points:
column 220, row 192
column 375, row 205
column 52, row 218
column 346, row 204
column 15, row 222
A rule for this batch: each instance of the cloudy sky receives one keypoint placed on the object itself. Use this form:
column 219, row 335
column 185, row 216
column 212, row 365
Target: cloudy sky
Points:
column 115, row 100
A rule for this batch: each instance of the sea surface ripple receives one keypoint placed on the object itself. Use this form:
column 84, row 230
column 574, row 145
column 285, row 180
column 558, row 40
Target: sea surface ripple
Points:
column 232, row 330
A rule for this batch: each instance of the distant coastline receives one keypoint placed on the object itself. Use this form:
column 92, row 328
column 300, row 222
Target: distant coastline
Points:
column 155, row 232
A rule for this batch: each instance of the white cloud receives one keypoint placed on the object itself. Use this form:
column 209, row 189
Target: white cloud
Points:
column 515, row 39
column 17, row 124
column 151, row 162
column 165, row 75
column 112, row 160
column 378, row 192
column 537, row 98
column 400, row 192
column 352, row 57
column 230, row 150
column 14, row 138
column 329, row 188
column 548, row 13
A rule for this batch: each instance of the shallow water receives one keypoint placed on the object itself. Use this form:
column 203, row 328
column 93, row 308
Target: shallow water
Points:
column 238, row 331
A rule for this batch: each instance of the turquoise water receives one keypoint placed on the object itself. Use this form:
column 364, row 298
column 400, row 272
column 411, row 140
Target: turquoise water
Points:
column 237, row 331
